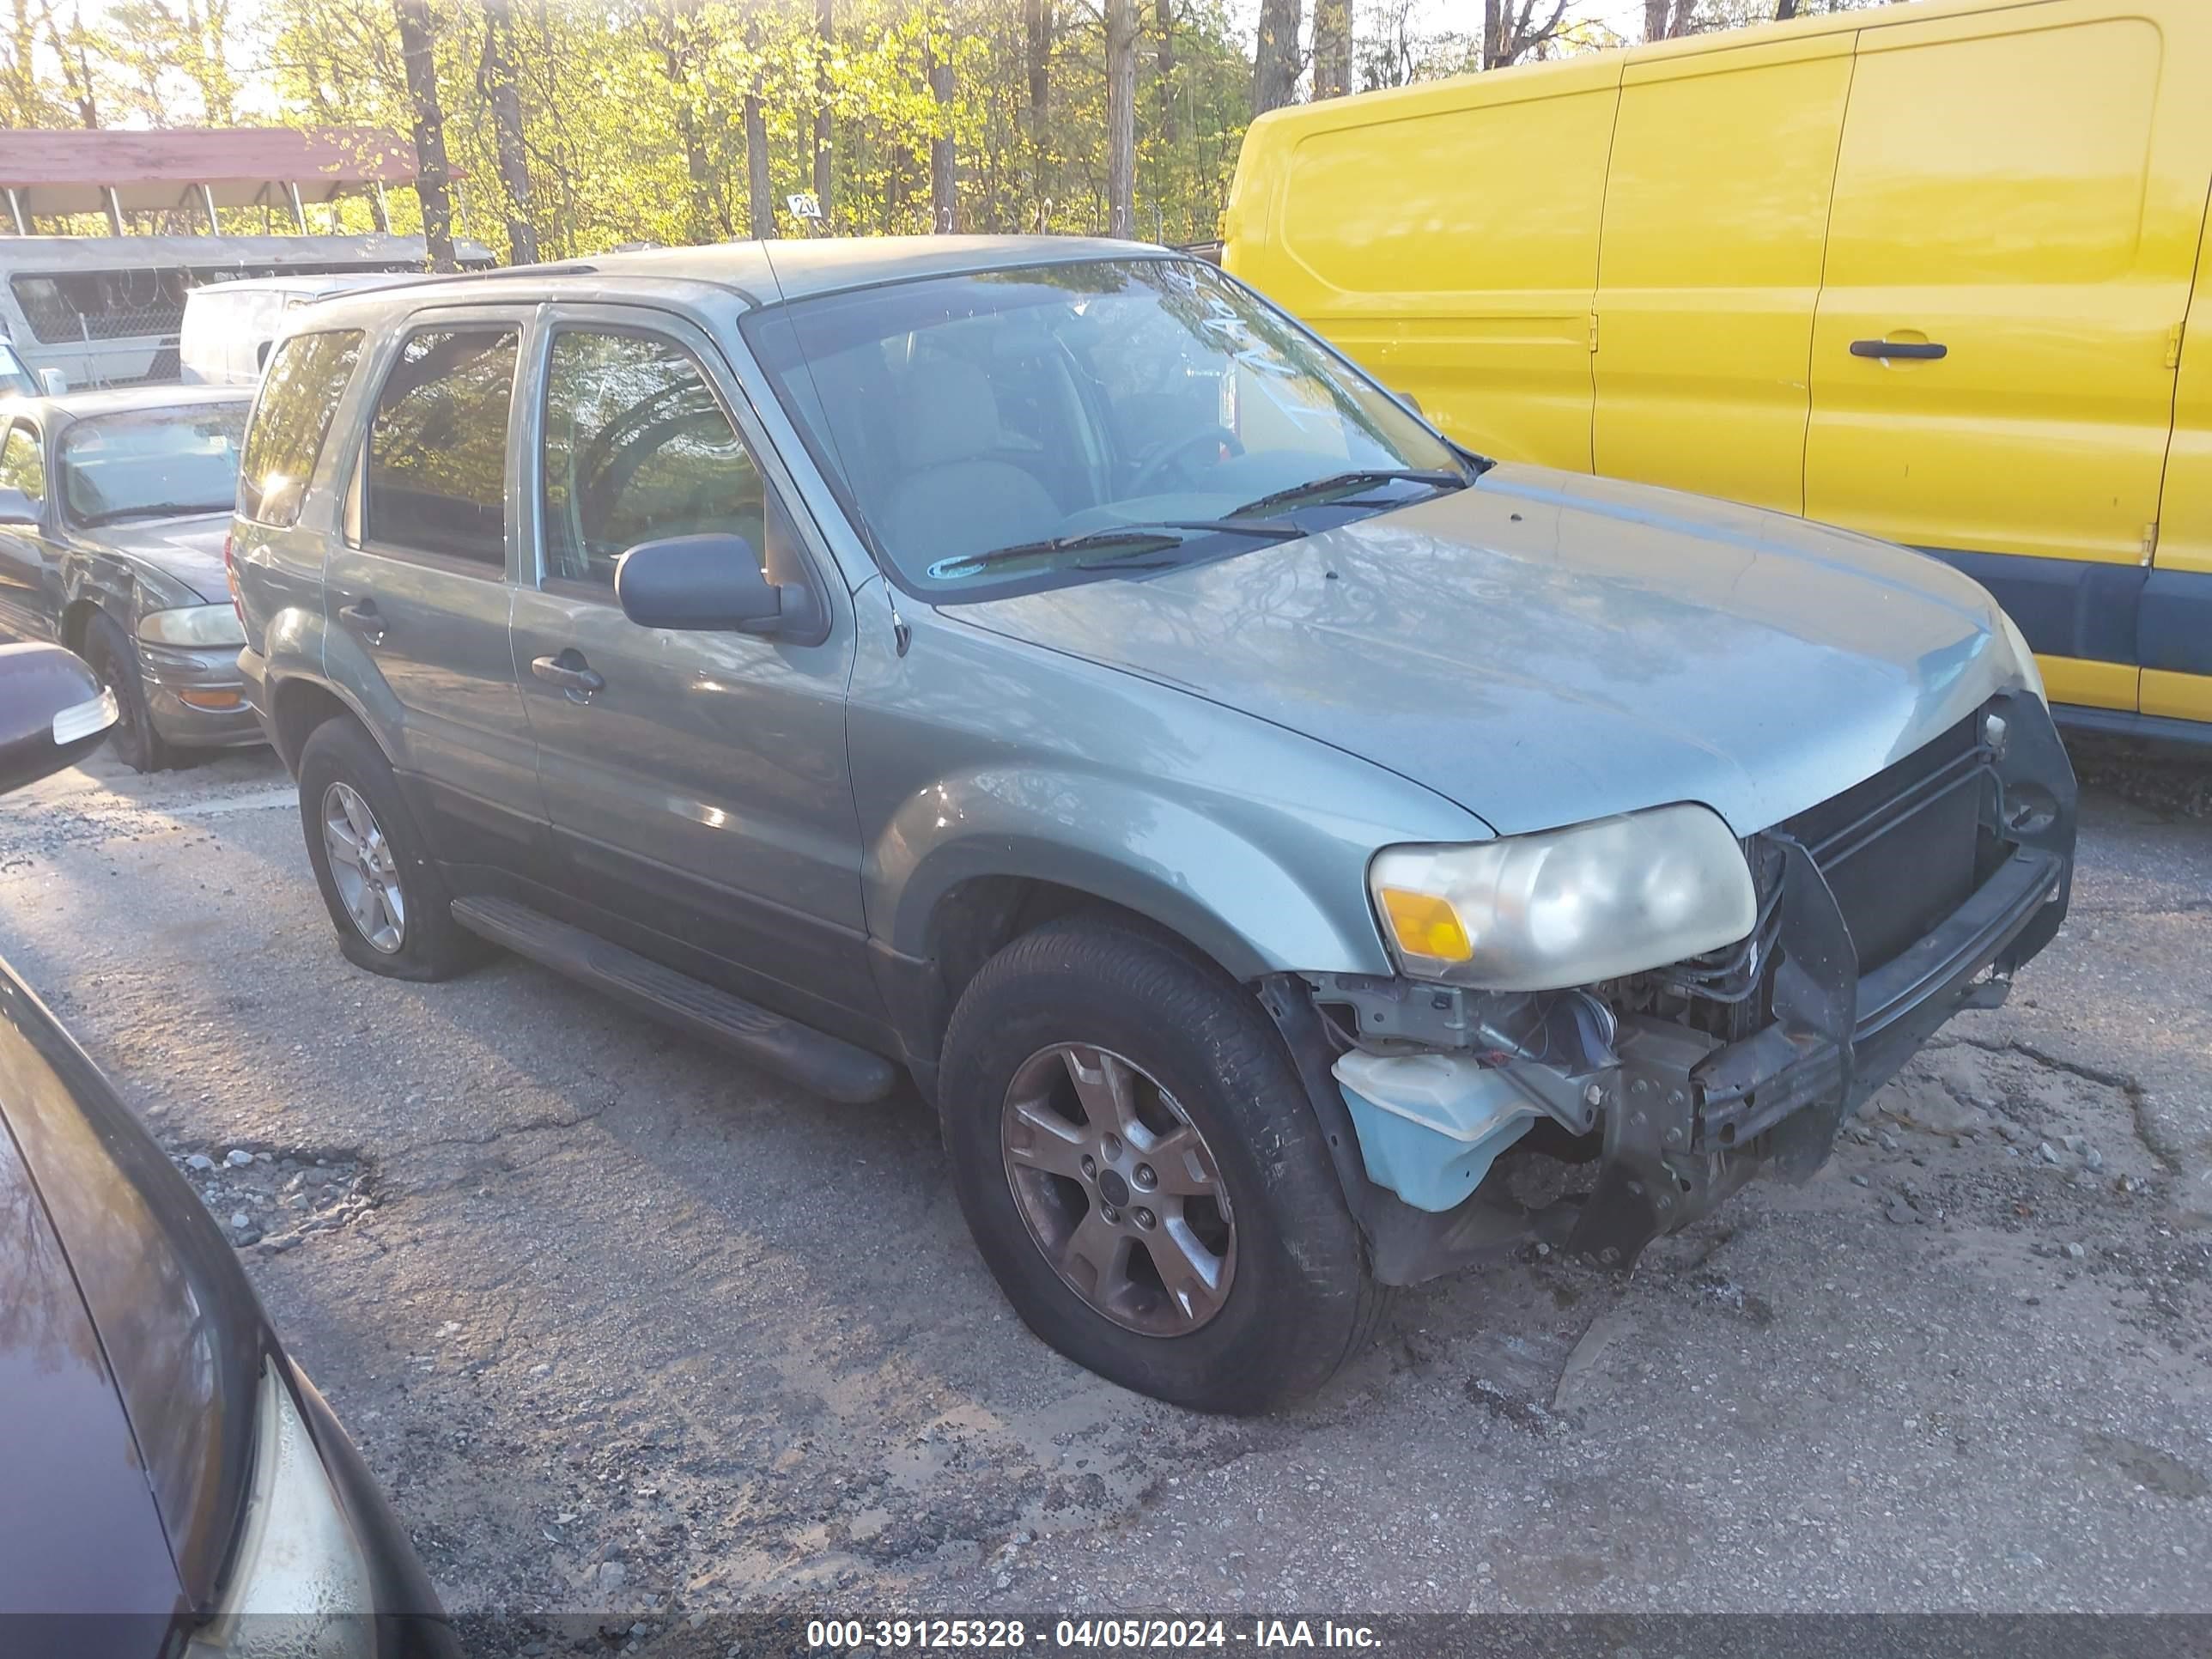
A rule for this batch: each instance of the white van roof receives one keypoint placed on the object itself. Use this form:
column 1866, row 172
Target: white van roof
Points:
column 307, row 287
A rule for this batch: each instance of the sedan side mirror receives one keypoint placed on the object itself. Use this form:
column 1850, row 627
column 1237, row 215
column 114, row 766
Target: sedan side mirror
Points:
column 707, row 584
column 1410, row 401
column 16, row 508
column 52, row 713
column 52, row 382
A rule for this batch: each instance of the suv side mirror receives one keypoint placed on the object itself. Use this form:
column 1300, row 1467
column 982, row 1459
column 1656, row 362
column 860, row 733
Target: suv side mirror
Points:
column 52, row 713
column 16, row 508
column 707, row 584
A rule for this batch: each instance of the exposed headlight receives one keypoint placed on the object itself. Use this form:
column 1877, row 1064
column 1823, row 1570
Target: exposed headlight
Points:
column 192, row 624
column 1539, row 913
column 298, row 1585
column 2026, row 658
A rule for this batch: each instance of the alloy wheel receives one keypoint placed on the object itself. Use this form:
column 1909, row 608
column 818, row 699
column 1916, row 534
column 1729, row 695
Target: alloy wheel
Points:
column 1119, row 1189
column 363, row 869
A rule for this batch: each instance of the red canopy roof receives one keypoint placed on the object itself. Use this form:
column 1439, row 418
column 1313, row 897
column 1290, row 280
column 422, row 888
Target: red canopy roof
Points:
column 67, row 170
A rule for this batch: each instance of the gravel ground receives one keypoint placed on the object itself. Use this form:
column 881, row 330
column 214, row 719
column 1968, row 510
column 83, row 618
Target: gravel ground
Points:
column 633, row 1334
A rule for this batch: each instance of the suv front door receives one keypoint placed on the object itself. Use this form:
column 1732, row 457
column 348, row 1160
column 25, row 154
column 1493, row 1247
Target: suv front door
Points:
column 416, row 591
column 696, row 782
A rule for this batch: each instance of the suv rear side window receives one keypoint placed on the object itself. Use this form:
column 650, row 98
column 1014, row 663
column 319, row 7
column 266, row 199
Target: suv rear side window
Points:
column 292, row 417
column 23, row 463
column 436, row 478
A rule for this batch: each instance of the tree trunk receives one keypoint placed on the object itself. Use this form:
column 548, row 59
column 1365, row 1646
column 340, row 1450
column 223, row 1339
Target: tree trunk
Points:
column 1655, row 19
column 826, row 27
column 1121, row 118
column 1785, row 11
column 1163, row 65
column 672, row 41
column 1275, row 59
column 760, row 193
column 1332, row 48
column 501, row 91
column 1037, row 26
column 431, row 172
column 943, row 176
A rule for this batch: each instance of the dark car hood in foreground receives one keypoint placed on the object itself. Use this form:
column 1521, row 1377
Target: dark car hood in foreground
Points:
column 190, row 549
column 178, row 1326
column 79, row 1533
column 1545, row 647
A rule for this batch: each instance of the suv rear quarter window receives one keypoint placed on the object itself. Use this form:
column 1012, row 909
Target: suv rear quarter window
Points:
column 436, row 475
column 307, row 374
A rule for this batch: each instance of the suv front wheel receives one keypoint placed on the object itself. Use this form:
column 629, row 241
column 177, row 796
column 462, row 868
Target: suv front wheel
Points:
column 1138, row 1162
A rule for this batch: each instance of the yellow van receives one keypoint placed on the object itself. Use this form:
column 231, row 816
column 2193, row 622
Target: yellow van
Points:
column 1926, row 270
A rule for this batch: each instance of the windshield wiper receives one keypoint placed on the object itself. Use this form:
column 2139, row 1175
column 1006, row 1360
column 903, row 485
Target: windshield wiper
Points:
column 1135, row 540
column 1358, row 479
column 158, row 510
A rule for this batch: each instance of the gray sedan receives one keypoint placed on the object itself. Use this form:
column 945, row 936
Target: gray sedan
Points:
column 114, row 507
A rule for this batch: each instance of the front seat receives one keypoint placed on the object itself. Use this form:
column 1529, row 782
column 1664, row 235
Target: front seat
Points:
column 953, row 499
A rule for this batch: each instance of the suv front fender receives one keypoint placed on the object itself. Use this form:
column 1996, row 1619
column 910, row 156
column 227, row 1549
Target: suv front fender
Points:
column 1252, row 910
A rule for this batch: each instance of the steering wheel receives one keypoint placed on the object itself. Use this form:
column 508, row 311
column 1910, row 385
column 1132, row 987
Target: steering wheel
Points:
column 1156, row 461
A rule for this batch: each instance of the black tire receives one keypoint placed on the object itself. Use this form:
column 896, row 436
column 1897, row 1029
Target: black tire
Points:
column 429, row 946
column 1299, row 1301
column 114, row 663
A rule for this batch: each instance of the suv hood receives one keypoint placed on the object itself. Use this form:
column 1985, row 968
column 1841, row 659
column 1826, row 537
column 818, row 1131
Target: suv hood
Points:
column 1545, row 648
column 188, row 549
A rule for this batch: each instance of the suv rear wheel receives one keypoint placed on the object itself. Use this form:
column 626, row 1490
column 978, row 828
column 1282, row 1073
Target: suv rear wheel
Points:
column 384, row 895
column 1137, row 1159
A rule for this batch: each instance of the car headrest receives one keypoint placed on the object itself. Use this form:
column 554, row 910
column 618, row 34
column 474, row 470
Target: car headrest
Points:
column 946, row 413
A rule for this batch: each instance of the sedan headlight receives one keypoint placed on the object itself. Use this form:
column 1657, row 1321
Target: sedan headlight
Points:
column 192, row 624
column 2029, row 670
column 297, row 1583
column 1542, row 912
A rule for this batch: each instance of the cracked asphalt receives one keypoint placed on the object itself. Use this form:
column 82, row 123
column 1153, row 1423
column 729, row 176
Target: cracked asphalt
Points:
column 631, row 1332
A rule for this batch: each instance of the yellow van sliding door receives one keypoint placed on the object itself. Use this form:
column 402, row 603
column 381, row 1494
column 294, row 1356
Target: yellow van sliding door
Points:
column 2175, row 632
column 2017, row 202
column 1715, row 213
column 1446, row 237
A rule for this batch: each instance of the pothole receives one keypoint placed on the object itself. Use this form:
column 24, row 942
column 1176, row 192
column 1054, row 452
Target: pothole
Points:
column 275, row 1200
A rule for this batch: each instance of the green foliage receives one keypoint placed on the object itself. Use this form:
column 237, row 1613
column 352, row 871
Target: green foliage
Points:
column 634, row 111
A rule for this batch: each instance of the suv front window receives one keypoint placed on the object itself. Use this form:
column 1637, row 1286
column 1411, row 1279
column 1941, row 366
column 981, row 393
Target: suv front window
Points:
column 962, row 417
column 637, row 447
column 152, row 463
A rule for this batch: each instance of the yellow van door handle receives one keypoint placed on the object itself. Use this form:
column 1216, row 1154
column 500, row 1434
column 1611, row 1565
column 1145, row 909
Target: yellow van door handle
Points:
column 1920, row 350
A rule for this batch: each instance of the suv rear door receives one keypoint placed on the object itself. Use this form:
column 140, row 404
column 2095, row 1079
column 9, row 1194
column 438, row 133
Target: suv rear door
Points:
column 417, row 591
column 696, row 782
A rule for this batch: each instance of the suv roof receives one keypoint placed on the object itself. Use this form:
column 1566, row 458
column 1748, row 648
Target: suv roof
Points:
column 760, row 272
column 120, row 400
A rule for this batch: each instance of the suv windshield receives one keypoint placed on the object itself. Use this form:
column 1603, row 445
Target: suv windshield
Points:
column 1006, row 426
column 152, row 463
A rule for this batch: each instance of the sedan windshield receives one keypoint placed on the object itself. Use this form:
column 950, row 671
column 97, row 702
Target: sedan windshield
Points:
column 1006, row 426
column 152, row 463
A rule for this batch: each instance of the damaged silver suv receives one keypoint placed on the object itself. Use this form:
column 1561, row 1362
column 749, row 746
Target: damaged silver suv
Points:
column 1043, row 668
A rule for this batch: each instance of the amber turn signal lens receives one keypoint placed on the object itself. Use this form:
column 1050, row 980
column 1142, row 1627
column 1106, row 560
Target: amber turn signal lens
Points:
column 1425, row 926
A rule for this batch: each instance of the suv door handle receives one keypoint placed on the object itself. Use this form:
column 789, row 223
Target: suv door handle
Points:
column 365, row 619
column 570, row 672
column 1920, row 350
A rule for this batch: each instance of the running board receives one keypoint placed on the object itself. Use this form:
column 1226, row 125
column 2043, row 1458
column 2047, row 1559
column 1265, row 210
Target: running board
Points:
column 799, row 1053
